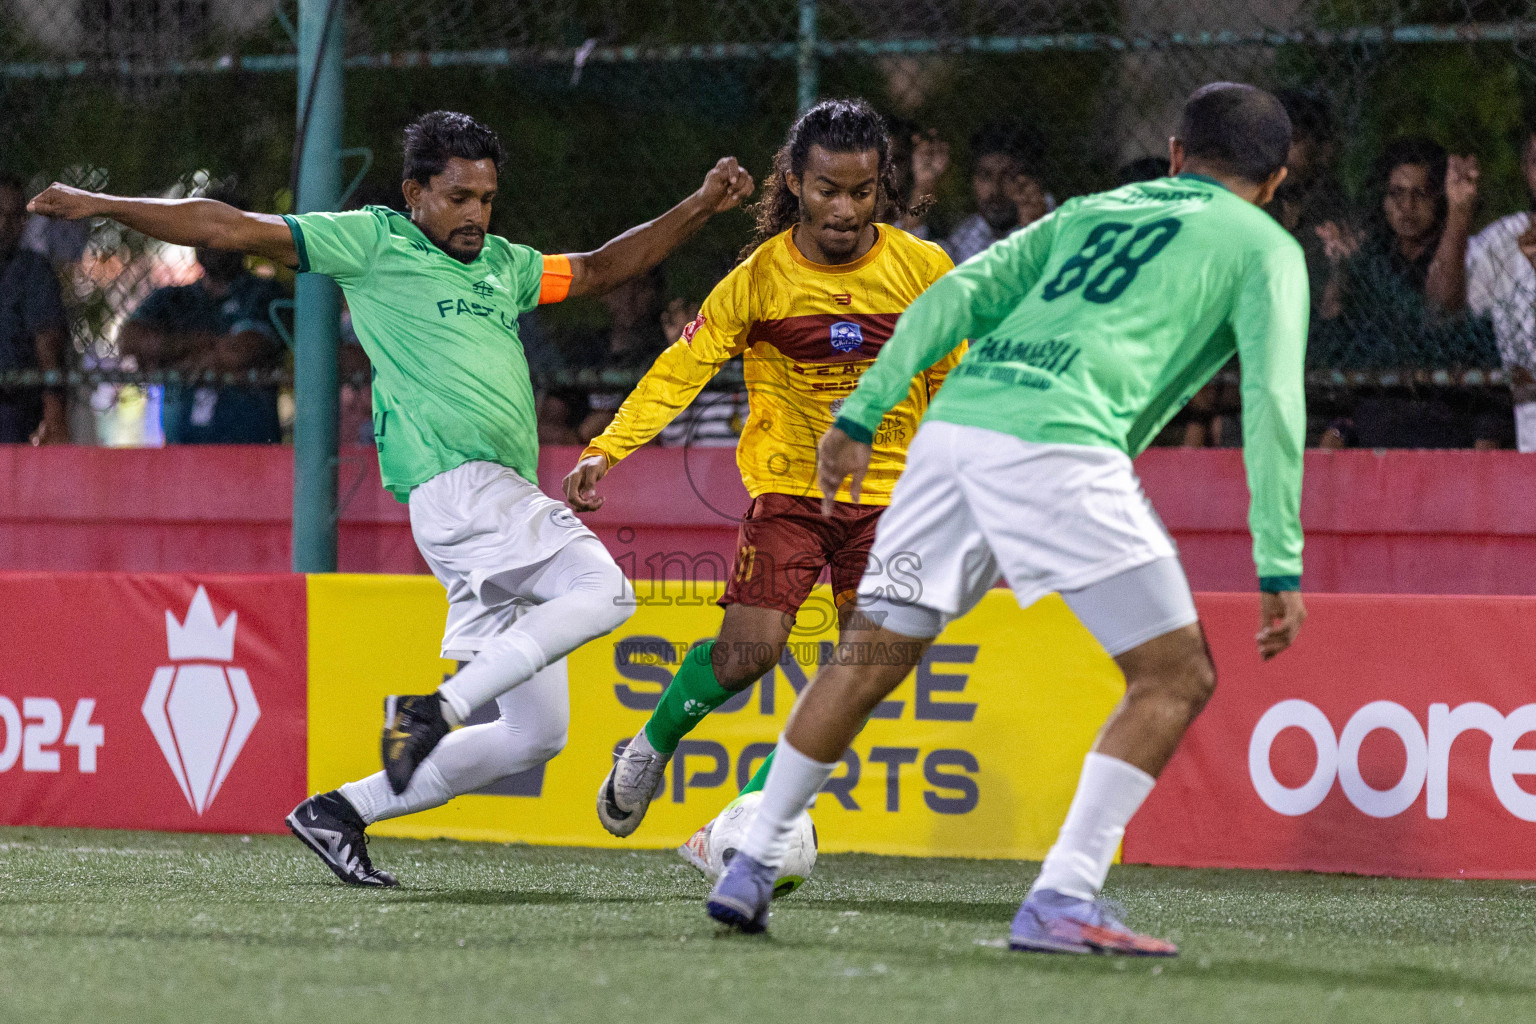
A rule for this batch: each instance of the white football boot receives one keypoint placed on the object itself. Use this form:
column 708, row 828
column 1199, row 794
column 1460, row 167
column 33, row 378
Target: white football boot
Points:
column 634, row 781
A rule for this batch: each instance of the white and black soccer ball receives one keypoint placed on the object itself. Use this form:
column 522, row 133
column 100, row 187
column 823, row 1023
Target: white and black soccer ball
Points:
column 730, row 830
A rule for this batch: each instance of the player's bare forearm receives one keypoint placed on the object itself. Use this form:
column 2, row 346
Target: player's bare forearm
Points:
column 1445, row 283
column 204, row 223
column 642, row 247
column 54, row 428
column 49, row 348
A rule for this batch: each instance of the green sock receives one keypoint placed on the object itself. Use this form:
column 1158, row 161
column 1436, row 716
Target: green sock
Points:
column 757, row 780
column 693, row 694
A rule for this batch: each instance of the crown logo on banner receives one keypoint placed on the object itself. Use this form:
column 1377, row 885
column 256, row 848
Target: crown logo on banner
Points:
column 200, row 637
column 200, row 714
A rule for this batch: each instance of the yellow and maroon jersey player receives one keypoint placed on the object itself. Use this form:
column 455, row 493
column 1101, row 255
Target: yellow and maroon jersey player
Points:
column 806, row 332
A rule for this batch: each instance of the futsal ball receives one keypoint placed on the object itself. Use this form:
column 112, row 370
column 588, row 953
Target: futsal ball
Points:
column 730, row 831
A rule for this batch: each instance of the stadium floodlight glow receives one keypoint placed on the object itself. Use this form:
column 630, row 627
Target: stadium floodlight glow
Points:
column 1426, row 763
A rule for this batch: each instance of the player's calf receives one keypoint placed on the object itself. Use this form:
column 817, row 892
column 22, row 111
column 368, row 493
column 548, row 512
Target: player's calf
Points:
column 1168, row 681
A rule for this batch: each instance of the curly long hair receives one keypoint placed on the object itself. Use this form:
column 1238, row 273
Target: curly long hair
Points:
column 838, row 126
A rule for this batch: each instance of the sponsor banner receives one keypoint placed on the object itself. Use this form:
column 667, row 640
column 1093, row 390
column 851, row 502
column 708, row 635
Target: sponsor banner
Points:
column 1397, row 738
column 977, row 755
column 152, row 701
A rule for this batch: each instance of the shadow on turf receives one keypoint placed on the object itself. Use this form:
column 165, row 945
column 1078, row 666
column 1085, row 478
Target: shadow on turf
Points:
column 506, row 897
column 1395, row 979
column 1000, row 913
column 1415, row 979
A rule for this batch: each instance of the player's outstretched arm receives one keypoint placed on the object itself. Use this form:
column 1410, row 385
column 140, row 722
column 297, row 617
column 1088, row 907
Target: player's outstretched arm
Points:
column 641, row 248
column 198, row 222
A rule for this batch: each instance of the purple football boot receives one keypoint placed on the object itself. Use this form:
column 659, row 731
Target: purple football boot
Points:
column 1052, row 922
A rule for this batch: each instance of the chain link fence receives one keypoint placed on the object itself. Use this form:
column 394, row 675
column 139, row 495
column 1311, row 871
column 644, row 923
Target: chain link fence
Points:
column 612, row 111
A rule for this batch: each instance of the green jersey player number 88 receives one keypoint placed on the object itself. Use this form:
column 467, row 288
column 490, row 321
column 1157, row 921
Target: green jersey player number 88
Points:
column 1116, row 276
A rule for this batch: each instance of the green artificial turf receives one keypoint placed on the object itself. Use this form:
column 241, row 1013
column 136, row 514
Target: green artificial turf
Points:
column 117, row 926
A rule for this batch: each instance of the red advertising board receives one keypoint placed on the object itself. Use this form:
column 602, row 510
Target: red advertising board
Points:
column 152, row 701
column 1398, row 737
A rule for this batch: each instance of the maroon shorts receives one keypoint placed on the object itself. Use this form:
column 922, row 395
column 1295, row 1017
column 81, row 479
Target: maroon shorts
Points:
column 785, row 543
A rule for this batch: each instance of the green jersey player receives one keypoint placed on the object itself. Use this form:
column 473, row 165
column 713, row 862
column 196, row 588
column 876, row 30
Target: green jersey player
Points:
column 1089, row 330
column 435, row 300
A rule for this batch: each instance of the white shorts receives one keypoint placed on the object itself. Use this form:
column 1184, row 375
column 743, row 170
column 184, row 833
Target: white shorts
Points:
column 483, row 530
column 975, row 504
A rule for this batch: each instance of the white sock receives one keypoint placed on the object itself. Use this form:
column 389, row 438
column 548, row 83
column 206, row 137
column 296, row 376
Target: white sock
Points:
column 375, row 801
column 1108, row 796
column 792, row 784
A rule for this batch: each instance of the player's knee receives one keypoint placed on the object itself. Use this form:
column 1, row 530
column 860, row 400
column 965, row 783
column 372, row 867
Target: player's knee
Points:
column 531, row 740
column 1200, row 671
column 547, row 745
column 612, row 604
column 738, row 665
column 1189, row 677
column 1182, row 671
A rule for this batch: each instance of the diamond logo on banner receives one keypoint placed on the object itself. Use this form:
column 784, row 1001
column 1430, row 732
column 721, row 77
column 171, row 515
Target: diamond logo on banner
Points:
column 200, row 713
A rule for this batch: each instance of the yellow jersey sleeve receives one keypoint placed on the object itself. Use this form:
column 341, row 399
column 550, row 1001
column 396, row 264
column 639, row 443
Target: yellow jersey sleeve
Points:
column 717, row 334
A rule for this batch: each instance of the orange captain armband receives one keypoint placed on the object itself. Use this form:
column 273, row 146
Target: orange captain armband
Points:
column 555, row 282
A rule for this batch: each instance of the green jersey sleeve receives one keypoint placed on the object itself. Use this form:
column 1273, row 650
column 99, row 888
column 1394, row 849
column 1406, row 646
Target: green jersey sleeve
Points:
column 968, row 302
column 527, row 270
column 342, row 246
column 1269, row 321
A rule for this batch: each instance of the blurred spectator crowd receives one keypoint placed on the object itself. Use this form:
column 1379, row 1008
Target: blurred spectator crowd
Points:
column 1412, row 306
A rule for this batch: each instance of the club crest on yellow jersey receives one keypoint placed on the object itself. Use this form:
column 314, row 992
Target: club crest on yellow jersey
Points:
column 847, row 336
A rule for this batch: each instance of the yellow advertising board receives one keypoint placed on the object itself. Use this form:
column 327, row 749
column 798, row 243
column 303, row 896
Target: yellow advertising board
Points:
column 976, row 755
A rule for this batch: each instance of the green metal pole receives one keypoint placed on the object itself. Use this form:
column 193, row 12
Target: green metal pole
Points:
column 317, row 314
column 805, row 56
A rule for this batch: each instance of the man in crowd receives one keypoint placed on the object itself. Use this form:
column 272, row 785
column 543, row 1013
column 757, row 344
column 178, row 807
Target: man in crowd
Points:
column 1009, row 195
column 1501, row 284
column 33, row 331
column 1396, row 299
column 919, row 158
column 218, row 324
column 1311, row 194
